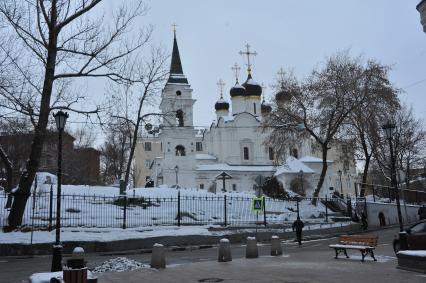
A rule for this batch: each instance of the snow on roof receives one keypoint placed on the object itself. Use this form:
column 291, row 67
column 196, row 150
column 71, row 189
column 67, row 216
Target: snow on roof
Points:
column 313, row 159
column 293, row 165
column 235, row 168
column 205, row 156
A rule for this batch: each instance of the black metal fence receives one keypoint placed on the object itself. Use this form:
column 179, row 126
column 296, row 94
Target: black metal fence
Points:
column 137, row 211
column 379, row 193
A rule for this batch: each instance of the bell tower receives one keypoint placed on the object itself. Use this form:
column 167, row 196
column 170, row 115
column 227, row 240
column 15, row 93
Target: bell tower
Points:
column 176, row 98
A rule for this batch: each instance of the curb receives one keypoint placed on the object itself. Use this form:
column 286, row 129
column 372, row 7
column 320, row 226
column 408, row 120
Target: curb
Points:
column 173, row 243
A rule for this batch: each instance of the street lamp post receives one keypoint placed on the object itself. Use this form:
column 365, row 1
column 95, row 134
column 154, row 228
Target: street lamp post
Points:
column 177, row 171
column 341, row 186
column 60, row 118
column 389, row 130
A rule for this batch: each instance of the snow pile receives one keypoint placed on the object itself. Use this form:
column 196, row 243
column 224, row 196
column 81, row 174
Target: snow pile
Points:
column 118, row 264
column 45, row 277
column 417, row 253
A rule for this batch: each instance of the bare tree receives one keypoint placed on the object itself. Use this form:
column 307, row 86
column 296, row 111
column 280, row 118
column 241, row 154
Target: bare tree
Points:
column 84, row 136
column 55, row 42
column 319, row 106
column 115, row 150
column 135, row 108
column 409, row 141
column 364, row 122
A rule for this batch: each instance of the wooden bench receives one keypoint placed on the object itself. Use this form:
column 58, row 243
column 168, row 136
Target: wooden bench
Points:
column 364, row 243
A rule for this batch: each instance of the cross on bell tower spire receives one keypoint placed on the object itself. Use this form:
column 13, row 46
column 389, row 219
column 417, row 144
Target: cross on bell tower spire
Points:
column 174, row 25
column 221, row 85
column 248, row 54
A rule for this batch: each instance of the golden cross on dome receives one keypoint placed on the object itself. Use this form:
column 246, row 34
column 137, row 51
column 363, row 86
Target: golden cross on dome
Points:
column 174, row 25
column 221, row 85
column 236, row 69
column 248, row 54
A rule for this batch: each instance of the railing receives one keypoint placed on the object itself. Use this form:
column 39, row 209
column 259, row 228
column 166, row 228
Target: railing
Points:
column 137, row 211
column 380, row 193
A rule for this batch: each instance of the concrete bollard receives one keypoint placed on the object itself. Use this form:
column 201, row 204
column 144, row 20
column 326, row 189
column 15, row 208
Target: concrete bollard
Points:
column 158, row 257
column 276, row 246
column 251, row 249
column 224, row 251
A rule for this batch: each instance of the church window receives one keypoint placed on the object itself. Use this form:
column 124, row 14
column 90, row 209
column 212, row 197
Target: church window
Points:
column 254, row 108
column 202, row 186
column 294, row 153
column 246, row 153
column 180, row 150
column 179, row 118
column 234, row 187
column 178, row 93
column 199, row 146
column 271, row 153
column 161, row 146
column 148, row 146
column 148, row 163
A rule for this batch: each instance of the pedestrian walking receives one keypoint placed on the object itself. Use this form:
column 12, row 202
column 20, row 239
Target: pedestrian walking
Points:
column 382, row 219
column 422, row 212
column 298, row 226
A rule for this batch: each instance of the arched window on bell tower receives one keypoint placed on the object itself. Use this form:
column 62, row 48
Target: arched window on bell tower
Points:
column 179, row 118
column 180, row 150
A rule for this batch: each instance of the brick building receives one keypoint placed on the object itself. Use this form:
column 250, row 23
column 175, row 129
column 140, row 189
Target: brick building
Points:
column 79, row 166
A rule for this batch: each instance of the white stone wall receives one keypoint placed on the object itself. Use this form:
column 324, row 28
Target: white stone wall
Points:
column 409, row 213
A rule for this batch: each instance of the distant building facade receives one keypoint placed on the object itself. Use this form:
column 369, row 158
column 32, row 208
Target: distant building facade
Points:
column 79, row 166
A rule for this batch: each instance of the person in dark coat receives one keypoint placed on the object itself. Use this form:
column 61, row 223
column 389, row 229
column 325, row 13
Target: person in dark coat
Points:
column 298, row 226
column 422, row 212
column 382, row 219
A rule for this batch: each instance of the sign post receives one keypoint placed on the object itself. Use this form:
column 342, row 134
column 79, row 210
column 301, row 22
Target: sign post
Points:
column 257, row 204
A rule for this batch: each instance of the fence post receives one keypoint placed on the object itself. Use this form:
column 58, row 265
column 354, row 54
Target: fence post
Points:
column 374, row 194
column 264, row 211
column 326, row 209
column 178, row 216
column 224, row 208
column 390, row 196
column 50, row 207
column 125, row 212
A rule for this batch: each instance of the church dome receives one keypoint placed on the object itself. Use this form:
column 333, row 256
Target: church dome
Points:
column 252, row 87
column 237, row 90
column 283, row 96
column 221, row 104
column 265, row 108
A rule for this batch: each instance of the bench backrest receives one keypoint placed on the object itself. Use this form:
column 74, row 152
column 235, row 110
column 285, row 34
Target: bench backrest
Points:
column 359, row 240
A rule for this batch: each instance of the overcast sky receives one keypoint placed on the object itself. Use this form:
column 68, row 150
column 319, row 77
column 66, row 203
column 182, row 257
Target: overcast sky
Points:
column 290, row 34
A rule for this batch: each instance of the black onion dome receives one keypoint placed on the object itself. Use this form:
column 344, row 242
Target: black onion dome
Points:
column 283, row 96
column 265, row 108
column 221, row 104
column 237, row 90
column 252, row 88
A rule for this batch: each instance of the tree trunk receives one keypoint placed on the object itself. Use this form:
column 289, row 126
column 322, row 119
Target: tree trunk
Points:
column 322, row 176
column 9, row 176
column 365, row 174
column 24, row 188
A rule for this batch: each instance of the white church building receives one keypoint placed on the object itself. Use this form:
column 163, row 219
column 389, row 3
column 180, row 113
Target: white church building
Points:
column 231, row 153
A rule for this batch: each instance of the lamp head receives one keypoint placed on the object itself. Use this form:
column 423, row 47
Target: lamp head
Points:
column 61, row 119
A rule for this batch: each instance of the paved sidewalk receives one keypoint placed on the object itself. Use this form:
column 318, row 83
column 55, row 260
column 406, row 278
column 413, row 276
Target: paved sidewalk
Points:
column 320, row 267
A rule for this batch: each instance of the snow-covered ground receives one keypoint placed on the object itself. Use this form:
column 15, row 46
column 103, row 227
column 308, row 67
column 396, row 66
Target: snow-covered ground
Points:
column 96, row 206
